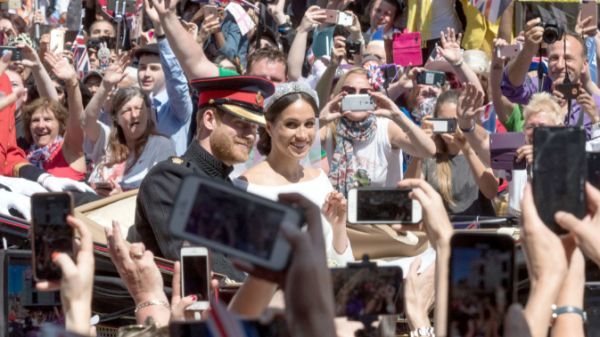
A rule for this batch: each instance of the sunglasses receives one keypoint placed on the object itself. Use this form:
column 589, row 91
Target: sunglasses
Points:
column 351, row 90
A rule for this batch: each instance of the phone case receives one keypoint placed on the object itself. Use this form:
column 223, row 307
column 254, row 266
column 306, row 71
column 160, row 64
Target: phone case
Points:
column 559, row 171
column 503, row 148
column 407, row 49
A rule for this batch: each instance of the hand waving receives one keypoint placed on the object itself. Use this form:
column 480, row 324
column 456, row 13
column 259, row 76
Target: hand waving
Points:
column 450, row 46
column 470, row 105
column 61, row 67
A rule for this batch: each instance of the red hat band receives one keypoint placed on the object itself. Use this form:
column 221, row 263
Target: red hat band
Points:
column 254, row 98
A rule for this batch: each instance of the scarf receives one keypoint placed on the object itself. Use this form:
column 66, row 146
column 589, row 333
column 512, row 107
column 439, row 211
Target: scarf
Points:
column 38, row 156
column 343, row 173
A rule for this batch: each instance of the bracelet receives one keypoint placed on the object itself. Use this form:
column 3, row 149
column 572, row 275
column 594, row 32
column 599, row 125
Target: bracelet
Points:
column 567, row 309
column 423, row 332
column 151, row 303
column 459, row 63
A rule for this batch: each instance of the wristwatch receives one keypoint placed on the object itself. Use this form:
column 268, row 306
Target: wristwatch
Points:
column 567, row 309
column 422, row 332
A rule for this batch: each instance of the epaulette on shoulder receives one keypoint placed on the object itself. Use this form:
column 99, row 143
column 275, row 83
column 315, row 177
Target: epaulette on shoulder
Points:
column 177, row 160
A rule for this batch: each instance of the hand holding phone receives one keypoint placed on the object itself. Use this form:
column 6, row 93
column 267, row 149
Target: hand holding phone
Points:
column 430, row 77
column 443, row 125
column 51, row 233
column 481, row 282
column 382, row 206
column 509, row 51
column 234, row 222
column 195, row 276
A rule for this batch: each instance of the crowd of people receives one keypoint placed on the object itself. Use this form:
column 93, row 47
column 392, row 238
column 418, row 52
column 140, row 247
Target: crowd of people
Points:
column 252, row 94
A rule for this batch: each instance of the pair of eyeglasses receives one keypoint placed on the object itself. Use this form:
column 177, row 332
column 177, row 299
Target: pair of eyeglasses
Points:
column 351, row 90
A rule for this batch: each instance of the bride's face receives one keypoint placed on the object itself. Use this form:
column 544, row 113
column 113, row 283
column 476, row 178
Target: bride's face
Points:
column 294, row 130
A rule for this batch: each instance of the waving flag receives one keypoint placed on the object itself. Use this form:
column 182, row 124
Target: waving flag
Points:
column 80, row 55
column 491, row 9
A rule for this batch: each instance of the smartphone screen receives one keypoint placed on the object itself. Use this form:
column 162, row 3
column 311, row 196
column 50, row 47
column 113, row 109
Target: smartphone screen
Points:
column 443, row 125
column 51, row 233
column 195, row 276
column 367, row 291
column 435, row 78
column 481, row 284
column 593, row 168
column 225, row 218
column 382, row 205
column 559, row 171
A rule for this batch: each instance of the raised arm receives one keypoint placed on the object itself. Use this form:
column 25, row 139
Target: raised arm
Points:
column 65, row 71
column 450, row 50
column 41, row 78
column 519, row 66
column 403, row 133
column 312, row 17
column 469, row 108
column 502, row 106
column 176, row 82
column 190, row 54
column 112, row 76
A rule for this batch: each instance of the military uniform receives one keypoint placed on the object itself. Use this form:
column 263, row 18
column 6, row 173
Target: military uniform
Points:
column 238, row 95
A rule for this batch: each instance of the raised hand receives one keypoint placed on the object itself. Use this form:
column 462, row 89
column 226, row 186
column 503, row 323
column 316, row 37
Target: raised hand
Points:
column 313, row 16
column 450, row 46
column 210, row 25
column 470, row 106
column 152, row 12
column 115, row 72
column 339, row 50
column 331, row 111
column 164, row 7
column 61, row 67
column 334, row 209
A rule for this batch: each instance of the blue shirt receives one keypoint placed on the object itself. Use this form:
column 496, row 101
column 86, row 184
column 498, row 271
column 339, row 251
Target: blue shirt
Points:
column 173, row 105
column 236, row 44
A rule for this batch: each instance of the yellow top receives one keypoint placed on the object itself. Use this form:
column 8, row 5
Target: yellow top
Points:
column 479, row 33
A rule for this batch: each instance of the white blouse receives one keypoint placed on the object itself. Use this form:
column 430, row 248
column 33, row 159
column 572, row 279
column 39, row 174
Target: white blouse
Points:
column 316, row 191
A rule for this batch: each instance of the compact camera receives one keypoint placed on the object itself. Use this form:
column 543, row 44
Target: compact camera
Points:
column 352, row 48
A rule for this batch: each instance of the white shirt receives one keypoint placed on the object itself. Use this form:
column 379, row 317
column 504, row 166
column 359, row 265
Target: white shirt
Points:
column 316, row 191
column 382, row 163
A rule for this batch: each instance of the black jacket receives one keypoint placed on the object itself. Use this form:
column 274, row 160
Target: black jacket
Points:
column 155, row 201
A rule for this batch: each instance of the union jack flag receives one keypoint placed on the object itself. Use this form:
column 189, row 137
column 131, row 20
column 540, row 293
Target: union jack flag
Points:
column 80, row 55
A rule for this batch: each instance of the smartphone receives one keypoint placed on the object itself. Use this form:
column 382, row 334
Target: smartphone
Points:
column 443, row 125
column 358, row 102
column 344, row 19
column 226, row 219
column 593, row 168
column 211, row 10
column 57, row 40
column 51, row 233
column 277, row 327
column 367, row 291
column 559, row 171
column 481, row 283
column 195, row 276
column 323, row 42
column 390, row 73
column 509, row 51
column 16, row 52
column 435, row 78
column 331, row 16
column 374, row 205
column 590, row 8
column 503, row 151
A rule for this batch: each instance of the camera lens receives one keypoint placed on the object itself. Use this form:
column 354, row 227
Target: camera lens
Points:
column 552, row 32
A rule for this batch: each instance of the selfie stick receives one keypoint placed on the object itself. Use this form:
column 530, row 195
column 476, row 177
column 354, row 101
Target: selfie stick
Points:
column 119, row 18
column 36, row 25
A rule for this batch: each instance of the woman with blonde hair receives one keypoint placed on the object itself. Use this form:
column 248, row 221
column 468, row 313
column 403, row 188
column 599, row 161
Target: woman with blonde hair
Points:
column 364, row 148
column 456, row 172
